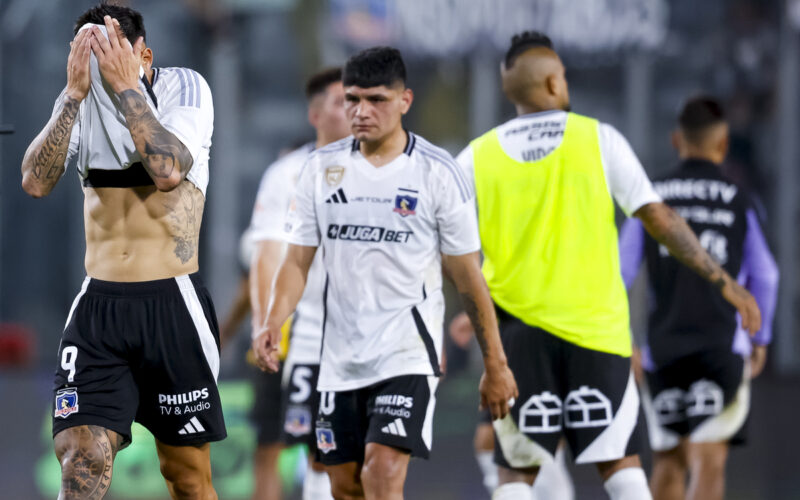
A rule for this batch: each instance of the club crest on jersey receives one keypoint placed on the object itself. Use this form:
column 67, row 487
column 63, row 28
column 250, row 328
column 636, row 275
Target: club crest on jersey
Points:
column 325, row 440
column 298, row 421
column 333, row 175
column 405, row 204
column 66, row 402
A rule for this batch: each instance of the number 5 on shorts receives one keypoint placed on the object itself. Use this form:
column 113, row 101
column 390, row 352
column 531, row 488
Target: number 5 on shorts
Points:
column 68, row 356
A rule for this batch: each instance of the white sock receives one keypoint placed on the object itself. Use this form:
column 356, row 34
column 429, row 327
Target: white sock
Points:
column 553, row 481
column 628, row 484
column 316, row 486
column 513, row 491
column 485, row 461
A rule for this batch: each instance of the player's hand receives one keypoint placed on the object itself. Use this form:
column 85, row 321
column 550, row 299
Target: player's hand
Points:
column 758, row 359
column 118, row 61
column 461, row 330
column 498, row 390
column 266, row 343
column 78, row 75
column 745, row 303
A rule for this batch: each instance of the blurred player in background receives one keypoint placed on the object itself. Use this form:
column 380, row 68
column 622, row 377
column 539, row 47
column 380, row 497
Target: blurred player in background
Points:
column 698, row 360
column 389, row 210
column 553, row 481
column 545, row 185
column 141, row 339
column 285, row 416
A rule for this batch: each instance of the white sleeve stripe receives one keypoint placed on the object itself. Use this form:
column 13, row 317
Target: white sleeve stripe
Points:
column 190, row 85
column 454, row 169
column 197, row 86
column 451, row 163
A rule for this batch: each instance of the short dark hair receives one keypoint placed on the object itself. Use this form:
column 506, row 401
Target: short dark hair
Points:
column 524, row 41
column 698, row 114
column 318, row 83
column 375, row 67
column 130, row 20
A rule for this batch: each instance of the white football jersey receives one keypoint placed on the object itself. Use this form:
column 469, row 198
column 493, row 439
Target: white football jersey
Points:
column 179, row 98
column 275, row 194
column 382, row 231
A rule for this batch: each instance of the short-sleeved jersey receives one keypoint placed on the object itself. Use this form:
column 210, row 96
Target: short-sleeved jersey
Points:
column 179, row 98
column 531, row 137
column 382, row 231
column 275, row 194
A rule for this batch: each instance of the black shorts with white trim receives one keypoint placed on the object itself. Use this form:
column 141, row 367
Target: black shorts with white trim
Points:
column 587, row 396
column 703, row 397
column 145, row 351
column 299, row 406
column 396, row 412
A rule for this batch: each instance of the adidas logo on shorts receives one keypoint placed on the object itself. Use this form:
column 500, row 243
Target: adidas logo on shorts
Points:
column 395, row 428
column 193, row 426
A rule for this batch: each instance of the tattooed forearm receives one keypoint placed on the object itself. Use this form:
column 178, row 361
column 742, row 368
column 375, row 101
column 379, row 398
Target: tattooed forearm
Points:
column 44, row 161
column 87, row 455
column 478, row 321
column 669, row 229
column 162, row 153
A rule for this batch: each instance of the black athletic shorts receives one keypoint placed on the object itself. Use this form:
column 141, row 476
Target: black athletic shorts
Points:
column 266, row 412
column 145, row 351
column 703, row 397
column 587, row 396
column 396, row 412
column 299, row 406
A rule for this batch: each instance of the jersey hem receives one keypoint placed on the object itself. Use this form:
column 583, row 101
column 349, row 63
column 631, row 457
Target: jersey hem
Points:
column 360, row 384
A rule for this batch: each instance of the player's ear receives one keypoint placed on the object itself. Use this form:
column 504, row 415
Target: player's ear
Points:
column 676, row 138
column 313, row 116
column 147, row 57
column 551, row 84
column 407, row 97
column 723, row 145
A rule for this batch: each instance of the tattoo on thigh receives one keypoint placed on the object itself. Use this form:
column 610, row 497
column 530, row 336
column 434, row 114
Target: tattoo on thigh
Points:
column 86, row 467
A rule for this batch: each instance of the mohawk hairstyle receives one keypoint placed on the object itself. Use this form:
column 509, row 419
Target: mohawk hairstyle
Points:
column 375, row 67
column 319, row 82
column 524, row 41
column 130, row 20
column 698, row 114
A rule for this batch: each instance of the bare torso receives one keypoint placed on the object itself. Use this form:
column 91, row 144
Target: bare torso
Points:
column 142, row 234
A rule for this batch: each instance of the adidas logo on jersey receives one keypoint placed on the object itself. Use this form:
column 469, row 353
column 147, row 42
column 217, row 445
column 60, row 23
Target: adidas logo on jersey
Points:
column 395, row 428
column 337, row 197
column 193, row 426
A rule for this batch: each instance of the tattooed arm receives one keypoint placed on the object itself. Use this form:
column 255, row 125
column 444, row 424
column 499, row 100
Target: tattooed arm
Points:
column 164, row 156
column 669, row 229
column 497, row 384
column 44, row 160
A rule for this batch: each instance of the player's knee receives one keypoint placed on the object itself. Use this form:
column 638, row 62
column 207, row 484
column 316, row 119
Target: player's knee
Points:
column 83, row 450
column 383, row 472
column 708, row 459
column 673, row 460
column 346, row 490
column 185, row 480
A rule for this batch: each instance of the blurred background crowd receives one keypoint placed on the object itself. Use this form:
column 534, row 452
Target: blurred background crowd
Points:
column 630, row 63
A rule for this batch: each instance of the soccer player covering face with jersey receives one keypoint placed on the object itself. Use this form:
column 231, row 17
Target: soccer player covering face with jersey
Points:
column 546, row 182
column 141, row 339
column 698, row 361
column 389, row 209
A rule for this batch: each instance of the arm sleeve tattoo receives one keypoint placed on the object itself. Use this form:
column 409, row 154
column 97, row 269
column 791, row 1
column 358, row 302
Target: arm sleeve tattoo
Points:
column 161, row 151
column 669, row 229
column 45, row 163
column 477, row 320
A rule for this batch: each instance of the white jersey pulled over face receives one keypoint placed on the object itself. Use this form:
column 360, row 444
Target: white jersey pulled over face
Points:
column 275, row 195
column 382, row 231
column 179, row 98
